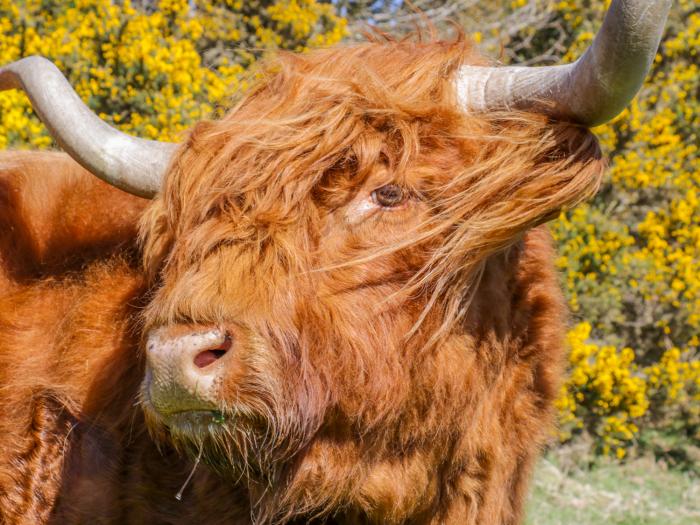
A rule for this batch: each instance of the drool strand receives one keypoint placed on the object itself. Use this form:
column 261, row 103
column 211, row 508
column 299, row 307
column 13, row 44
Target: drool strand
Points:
column 178, row 496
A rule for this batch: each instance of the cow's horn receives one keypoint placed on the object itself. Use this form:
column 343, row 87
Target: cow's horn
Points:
column 592, row 90
column 132, row 164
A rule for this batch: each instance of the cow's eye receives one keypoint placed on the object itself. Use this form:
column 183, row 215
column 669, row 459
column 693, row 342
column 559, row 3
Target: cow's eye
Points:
column 389, row 195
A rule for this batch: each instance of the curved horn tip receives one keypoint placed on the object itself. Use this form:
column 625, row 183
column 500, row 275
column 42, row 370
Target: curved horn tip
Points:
column 592, row 90
column 132, row 164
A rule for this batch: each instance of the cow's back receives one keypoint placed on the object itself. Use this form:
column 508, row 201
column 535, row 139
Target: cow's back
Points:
column 55, row 217
column 69, row 285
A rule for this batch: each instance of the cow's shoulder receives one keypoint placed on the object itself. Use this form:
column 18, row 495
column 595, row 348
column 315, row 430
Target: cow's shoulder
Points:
column 55, row 216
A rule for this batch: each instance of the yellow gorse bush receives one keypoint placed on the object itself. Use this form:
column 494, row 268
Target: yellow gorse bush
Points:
column 611, row 397
column 630, row 259
column 151, row 72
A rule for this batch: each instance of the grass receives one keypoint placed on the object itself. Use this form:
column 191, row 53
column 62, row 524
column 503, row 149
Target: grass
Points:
column 638, row 492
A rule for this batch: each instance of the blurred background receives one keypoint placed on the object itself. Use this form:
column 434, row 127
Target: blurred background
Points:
column 627, row 450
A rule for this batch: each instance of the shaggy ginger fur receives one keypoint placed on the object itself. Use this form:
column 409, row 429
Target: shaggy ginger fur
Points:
column 392, row 364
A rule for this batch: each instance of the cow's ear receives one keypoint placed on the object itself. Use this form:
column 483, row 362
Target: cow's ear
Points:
column 177, row 196
column 569, row 172
column 528, row 170
column 156, row 239
column 565, row 174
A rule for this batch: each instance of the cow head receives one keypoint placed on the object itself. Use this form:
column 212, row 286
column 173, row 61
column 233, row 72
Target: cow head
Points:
column 315, row 251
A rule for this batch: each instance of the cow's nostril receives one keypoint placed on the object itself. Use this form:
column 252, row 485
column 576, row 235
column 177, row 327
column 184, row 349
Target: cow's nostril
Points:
column 207, row 357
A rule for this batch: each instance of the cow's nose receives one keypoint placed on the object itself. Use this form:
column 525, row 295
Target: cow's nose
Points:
column 184, row 367
column 211, row 355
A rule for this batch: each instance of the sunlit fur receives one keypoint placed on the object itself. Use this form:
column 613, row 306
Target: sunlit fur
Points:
column 392, row 366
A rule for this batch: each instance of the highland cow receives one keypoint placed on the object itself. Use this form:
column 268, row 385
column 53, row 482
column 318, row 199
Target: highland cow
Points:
column 339, row 306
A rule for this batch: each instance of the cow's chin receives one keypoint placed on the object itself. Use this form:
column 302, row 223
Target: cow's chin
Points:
column 230, row 441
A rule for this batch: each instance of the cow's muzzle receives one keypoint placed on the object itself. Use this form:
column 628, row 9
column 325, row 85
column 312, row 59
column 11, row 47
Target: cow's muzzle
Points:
column 184, row 369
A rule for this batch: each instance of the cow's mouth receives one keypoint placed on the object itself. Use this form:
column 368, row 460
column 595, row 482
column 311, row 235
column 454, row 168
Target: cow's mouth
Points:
column 195, row 428
column 194, row 418
column 183, row 419
column 188, row 419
